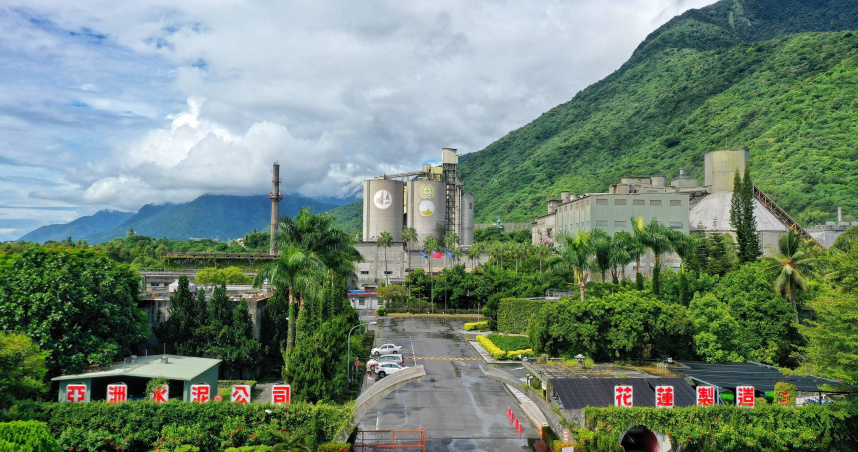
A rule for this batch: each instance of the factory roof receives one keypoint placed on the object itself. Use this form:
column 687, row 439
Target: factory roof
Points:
column 577, row 393
column 715, row 209
column 730, row 375
column 184, row 368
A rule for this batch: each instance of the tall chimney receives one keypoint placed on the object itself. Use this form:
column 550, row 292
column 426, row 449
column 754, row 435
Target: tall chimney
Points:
column 275, row 196
column 839, row 214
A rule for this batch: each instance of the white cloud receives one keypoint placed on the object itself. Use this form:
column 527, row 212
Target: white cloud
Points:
column 138, row 102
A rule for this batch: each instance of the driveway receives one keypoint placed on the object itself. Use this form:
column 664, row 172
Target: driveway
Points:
column 459, row 407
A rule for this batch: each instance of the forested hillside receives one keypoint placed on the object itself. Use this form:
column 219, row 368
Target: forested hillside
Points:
column 732, row 75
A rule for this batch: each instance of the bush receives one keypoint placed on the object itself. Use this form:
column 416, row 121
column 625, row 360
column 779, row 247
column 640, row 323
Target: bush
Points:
column 493, row 349
column 137, row 426
column 514, row 314
column 381, row 311
column 508, row 343
column 477, row 326
column 334, row 447
column 27, row 436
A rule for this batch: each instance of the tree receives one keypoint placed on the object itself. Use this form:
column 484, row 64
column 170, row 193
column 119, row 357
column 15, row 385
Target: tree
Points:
column 22, row 369
column 790, row 267
column 657, row 238
column 742, row 218
column 385, row 240
column 601, row 244
column 575, row 259
column 184, row 329
column 451, row 241
column 622, row 248
column 832, row 345
column 77, row 303
column 228, row 275
column 409, row 235
column 430, row 245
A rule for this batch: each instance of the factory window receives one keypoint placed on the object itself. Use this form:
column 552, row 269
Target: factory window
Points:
column 389, row 272
column 655, row 202
column 601, row 223
column 676, row 225
column 638, row 202
column 364, row 272
column 362, row 301
column 619, row 202
column 619, row 224
column 602, row 202
column 675, row 202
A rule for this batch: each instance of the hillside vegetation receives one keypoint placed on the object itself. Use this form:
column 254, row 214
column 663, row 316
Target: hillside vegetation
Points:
column 709, row 79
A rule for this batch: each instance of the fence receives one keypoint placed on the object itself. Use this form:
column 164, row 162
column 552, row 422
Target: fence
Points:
column 390, row 440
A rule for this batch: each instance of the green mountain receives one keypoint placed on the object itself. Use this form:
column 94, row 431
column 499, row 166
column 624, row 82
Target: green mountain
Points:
column 209, row 216
column 349, row 217
column 81, row 227
column 776, row 77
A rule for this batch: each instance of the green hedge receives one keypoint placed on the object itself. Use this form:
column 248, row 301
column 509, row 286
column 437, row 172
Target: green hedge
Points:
column 514, row 314
column 27, row 436
column 722, row 427
column 140, row 425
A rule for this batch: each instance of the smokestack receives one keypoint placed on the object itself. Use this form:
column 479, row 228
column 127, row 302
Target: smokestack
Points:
column 275, row 196
column 839, row 214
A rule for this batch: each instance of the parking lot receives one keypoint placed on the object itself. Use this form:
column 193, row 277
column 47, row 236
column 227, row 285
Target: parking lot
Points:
column 459, row 407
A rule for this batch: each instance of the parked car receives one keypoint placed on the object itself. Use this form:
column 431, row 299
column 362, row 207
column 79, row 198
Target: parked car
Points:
column 371, row 364
column 387, row 349
column 385, row 369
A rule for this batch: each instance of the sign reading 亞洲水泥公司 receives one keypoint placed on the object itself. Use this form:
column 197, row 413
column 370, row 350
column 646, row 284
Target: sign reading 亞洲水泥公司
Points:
column 117, row 393
column 76, row 393
column 200, row 393
column 281, row 394
column 160, row 394
column 241, row 393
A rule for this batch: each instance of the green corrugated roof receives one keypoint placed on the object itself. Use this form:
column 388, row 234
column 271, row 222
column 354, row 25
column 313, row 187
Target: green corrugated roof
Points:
column 178, row 367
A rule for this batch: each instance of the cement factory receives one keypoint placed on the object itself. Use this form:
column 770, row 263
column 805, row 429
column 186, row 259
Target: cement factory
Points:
column 432, row 201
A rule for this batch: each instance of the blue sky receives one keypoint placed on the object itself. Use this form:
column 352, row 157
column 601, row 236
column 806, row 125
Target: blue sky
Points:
column 108, row 104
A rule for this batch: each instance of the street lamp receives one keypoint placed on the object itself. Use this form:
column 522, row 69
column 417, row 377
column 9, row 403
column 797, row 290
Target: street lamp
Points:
column 349, row 355
column 580, row 359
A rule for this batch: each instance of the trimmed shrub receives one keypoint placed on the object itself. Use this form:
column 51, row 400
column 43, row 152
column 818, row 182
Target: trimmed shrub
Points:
column 491, row 348
column 477, row 326
column 334, row 447
column 381, row 311
column 514, row 314
column 508, row 343
column 27, row 436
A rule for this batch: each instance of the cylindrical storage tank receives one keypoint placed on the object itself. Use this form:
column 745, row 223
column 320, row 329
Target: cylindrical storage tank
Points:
column 659, row 181
column 383, row 207
column 467, row 237
column 427, row 207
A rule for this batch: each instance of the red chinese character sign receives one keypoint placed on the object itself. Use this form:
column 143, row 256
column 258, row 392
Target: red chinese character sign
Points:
column 745, row 396
column 241, row 393
column 160, row 394
column 622, row 396
column 76, row 393
column 281, row 394
column 664, row 396
column 705, row 395
column 200, row 393
column 117, row 393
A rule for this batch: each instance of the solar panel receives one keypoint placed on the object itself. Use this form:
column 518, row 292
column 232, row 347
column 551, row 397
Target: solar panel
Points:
column 577, row 393
column 762, row 378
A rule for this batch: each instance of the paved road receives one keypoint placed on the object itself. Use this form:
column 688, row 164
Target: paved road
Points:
column 459, row 407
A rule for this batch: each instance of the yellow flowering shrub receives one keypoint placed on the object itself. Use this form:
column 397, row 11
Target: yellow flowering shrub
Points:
column 493, row 349
column 477, row 326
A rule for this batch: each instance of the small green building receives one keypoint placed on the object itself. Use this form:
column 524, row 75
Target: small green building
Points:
column 180, row 371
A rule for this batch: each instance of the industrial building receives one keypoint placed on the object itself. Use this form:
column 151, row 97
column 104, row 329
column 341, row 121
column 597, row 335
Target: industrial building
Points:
column 431, row 200
column 683, row 205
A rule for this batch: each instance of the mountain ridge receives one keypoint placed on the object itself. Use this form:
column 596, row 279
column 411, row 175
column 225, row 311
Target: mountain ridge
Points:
column 207, row 216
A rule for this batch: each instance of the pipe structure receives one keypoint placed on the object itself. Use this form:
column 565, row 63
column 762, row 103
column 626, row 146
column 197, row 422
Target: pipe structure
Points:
column 275, row 196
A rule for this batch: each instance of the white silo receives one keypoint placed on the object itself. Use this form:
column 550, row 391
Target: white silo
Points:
column 426, row 207
column 383, row 208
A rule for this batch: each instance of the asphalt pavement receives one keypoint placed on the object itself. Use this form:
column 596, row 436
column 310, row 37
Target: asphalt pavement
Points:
column 456, row 404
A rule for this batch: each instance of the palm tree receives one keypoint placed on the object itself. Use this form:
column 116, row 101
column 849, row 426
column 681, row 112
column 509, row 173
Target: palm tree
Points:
column 429, row 246
column 790, row 267
column 474, row 252
column 656, row 237
column 451, row 241
column 575, row 258
column 601, row 243
column 409, row 234
column 636, row 245
column 620, row 254
column 299, row 273
column 542, row 251
column 683, row 245
column 385, row 240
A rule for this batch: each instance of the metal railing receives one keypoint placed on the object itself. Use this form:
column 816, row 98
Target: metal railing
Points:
column 390, row 440
column 779, row 213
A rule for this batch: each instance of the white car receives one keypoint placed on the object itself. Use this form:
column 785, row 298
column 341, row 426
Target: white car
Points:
column 385, row 369
column 371, row 364
column 387, row 349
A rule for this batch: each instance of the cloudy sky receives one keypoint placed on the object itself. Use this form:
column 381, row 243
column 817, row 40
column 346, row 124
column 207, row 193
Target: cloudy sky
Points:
column 107, row 104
